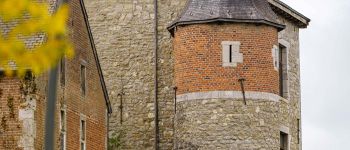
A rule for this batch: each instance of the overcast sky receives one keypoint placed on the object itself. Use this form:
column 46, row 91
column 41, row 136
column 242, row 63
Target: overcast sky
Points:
column 325, row 74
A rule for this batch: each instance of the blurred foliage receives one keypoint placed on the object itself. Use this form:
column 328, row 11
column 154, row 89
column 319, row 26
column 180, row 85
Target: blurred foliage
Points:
column 23, row 20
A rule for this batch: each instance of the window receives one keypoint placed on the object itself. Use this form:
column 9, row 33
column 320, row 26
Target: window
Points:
column 63, row 130
column 63, row 71
column 284, row 141
column 82, row 134
column 230, row 56
column 83, row 79
column 299, row 131
column 230, row 53
column 275, row 57
column 283, row 71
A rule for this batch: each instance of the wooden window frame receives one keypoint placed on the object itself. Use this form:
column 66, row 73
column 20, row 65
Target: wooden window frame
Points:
column 63, row 128
column 82, row 133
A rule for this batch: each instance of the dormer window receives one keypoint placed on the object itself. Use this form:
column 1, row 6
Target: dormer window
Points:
column 230, row 53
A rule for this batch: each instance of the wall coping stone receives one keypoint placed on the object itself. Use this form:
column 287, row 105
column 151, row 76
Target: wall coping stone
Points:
column 234, row 95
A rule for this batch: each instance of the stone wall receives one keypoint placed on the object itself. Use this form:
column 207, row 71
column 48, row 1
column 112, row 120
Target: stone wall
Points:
column 123, row 33
column 124, row 37
column 228, row 124
column 290, row 36
column 168, row 12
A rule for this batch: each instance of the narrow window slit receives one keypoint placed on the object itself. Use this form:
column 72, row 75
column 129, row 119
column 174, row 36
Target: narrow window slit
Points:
column 230, row 54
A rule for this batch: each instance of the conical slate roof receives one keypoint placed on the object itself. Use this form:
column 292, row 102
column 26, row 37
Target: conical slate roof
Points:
column 206, row 11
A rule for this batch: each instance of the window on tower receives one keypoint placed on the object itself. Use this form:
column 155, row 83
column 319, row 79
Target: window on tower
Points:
column 283, row 71
column 231, row 55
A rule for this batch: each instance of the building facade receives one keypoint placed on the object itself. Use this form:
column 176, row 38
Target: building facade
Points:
column 82, row 101
column 199, row 74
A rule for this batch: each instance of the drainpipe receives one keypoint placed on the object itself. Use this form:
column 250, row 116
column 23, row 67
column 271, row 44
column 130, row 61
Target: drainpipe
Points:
column 51, row 102
column 50, row 110
column 107, row 119
column 175, row 99
column 175, row 110
column 156, row 119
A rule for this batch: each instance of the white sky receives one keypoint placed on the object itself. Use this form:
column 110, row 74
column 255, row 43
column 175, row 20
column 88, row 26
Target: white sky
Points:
column 325, row 74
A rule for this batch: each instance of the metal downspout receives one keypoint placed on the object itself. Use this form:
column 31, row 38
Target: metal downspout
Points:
column 156, row 119
column 108, row 116
column 175, row 111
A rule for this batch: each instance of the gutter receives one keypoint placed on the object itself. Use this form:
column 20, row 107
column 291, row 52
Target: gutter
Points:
column 170, row 28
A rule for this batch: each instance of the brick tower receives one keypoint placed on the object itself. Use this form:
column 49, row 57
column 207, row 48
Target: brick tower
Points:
column 227, row 74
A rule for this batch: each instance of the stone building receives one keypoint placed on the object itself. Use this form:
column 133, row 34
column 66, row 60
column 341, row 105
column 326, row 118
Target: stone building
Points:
column 82, row 100
column 201, row 74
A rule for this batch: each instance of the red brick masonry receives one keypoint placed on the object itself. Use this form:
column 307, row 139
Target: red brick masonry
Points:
column 198, row 58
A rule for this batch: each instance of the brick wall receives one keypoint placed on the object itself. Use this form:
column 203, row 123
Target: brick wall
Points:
column 92, row 106
column 198, row 58
column 10, row 126
column 31, row 122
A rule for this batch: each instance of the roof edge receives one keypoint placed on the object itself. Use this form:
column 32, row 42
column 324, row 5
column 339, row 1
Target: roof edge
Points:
column 103, row 84
column 260, row 21
column 287, row 10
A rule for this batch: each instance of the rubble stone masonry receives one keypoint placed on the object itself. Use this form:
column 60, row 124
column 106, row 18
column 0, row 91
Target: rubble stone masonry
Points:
column 123, row 33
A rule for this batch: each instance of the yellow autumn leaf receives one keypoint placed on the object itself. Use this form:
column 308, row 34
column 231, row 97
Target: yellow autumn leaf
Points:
column 12, row 9
column 28, row 20
column 58, row 21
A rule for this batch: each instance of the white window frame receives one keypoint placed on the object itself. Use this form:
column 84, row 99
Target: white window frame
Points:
column 236, row 56
column 82, row 140
column 275, row 54
column 63, row 131
column 286, row 45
